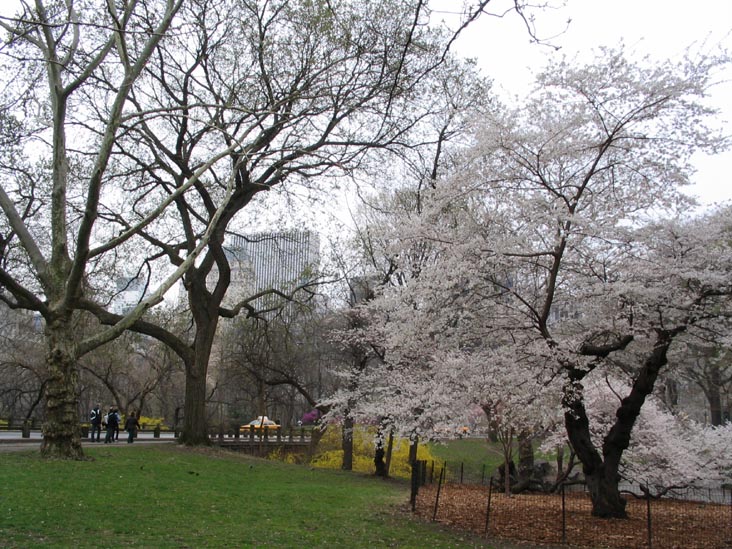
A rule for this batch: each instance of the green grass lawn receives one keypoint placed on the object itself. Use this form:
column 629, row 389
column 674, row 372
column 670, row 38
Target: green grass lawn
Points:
column 477, row 455
column 471, row 451
column 168, row 496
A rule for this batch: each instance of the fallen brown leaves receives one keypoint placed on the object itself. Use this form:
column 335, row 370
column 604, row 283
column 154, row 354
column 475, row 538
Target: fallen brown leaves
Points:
column 537, row 518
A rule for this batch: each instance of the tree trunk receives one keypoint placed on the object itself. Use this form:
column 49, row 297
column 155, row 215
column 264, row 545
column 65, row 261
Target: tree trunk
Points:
column 380, row 454
column 715, row 407
column 315, row 436
column 379, row 463
column 560, row 463
column 413, row 447
column 205, row 309
column 347, row 443
column 389, row 450
column 602, row 483
column 526, row 458
column 61, row 431
column 605, row 495
column 195, row 426
column 601, row 471
column 525, row 464
column 714, row 397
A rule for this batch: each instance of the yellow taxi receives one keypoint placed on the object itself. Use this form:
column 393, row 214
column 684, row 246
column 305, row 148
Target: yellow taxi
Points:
column 261, row 424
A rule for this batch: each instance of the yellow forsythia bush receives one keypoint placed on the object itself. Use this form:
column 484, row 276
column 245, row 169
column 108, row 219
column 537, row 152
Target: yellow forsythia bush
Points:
column 152, row 422
column 330, row 454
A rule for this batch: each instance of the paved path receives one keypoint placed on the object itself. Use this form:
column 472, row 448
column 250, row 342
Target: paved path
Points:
column 12, row 441
column 35, row 445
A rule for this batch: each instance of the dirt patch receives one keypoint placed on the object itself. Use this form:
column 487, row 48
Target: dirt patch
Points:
column 539, row 519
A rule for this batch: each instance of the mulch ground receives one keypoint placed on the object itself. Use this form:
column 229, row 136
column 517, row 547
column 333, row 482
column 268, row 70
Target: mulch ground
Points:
column 538, row 519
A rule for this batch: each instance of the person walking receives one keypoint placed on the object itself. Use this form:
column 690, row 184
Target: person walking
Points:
column 119, row 420
column 95, row 420
column 112, row 425
column 131, row 426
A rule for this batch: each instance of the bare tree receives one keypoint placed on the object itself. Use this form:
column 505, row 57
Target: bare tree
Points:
column 299, row 90
column 71, row 69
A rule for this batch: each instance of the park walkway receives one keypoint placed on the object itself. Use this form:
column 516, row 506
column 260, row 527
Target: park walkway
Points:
column 13, row 441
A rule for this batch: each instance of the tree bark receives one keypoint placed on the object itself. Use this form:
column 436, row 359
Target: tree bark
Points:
column 379, row 463
column 714, row 397
column 389, row 450
column 525, row 464
column 347, row 443
column 205, row 310
column 601, row 482
column 605, row 494
column 525, row 458
column 413, row 448
column 195, row 426
column 61, row 434
column 602, row 471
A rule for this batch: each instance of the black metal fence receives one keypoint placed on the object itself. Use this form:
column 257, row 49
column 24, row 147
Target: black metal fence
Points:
column 693, row 518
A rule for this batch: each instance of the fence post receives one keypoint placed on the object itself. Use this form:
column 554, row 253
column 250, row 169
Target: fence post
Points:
column 432, row 472
column 439, row 488
column 488, row 508
column 461, row 471
column 423, row 472
column 648, row 513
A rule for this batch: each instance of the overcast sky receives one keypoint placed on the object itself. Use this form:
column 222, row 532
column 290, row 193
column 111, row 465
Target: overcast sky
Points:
column 658, row 28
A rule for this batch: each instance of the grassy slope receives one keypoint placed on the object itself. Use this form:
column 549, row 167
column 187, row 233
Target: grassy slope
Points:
column 165, row 496
column 473, row 452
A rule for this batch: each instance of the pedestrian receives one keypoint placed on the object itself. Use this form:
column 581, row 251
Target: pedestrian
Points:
column 112, row 422
column 131, row 426
column 119, row 420
column 95, row 420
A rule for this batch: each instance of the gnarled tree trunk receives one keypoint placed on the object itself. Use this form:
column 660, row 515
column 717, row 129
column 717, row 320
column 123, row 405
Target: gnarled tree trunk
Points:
column 602, row 470
column 607, row 502
column 61, row 434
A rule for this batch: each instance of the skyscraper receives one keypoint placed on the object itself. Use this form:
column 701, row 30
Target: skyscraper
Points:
column 277, row 260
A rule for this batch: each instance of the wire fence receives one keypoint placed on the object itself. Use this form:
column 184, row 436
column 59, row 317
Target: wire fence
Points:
column 694, row 518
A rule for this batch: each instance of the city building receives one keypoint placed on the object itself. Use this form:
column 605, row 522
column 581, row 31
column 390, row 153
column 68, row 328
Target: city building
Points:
column 130, row 291
column 273, row 260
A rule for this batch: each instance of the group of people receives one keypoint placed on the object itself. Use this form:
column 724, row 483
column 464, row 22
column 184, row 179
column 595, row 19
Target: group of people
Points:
column 111, row 422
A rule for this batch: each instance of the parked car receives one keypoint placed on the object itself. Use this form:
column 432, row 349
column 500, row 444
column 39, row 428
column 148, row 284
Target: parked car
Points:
column 261, row 424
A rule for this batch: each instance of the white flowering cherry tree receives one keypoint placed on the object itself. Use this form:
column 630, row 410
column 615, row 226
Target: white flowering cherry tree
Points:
column 548, row 255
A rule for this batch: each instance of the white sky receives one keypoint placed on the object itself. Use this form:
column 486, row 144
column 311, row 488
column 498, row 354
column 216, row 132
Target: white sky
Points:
column 661, row 29
column 658, row 28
